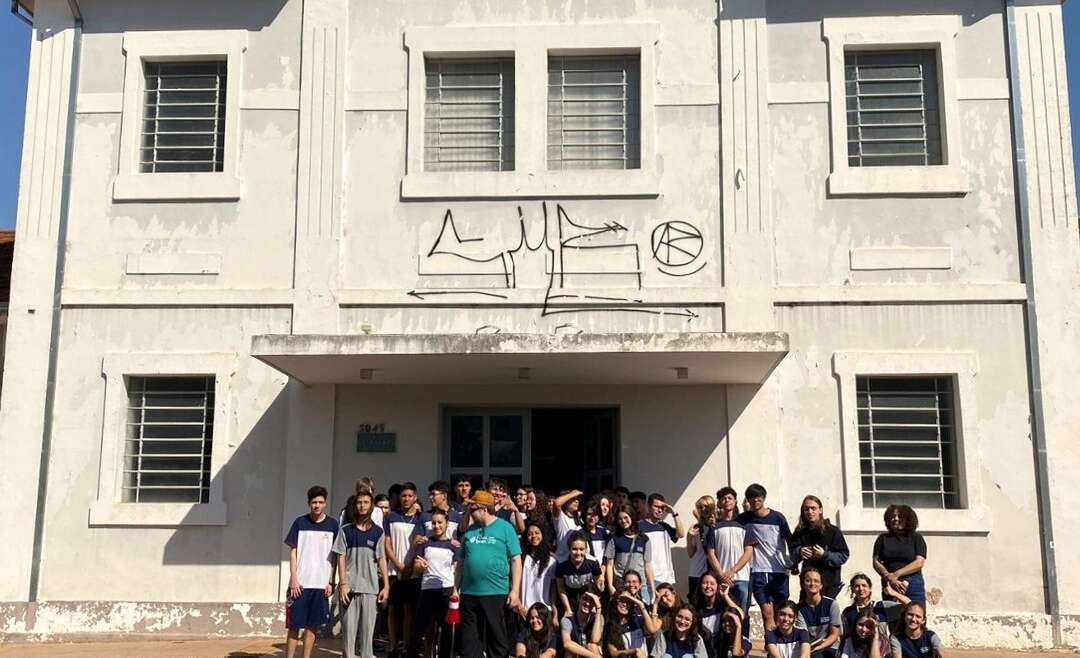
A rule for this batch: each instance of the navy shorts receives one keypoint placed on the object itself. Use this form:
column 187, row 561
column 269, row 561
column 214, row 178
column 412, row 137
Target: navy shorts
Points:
column 769, row 587
column 310, row 609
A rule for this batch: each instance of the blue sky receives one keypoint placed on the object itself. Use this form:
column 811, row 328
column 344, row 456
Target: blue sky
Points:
column 14, row 54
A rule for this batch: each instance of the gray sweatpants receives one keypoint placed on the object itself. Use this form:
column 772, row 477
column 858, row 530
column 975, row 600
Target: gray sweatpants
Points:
column 359, row 618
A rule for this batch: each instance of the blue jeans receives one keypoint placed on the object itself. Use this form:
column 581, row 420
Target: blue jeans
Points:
column 916, row 587
column 740, row 593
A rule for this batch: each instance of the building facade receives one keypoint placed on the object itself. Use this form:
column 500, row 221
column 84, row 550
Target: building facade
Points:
column 675, row 245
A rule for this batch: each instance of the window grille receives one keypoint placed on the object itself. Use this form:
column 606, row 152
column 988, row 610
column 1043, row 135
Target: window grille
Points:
column 907, row 441
column 594, row 112
column 892, row 108
column 170, row 433
column 469, row 115
column 184, row 121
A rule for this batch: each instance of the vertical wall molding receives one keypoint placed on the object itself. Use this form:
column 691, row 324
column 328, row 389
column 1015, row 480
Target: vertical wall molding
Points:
column 322, row 112
column 1047, row 129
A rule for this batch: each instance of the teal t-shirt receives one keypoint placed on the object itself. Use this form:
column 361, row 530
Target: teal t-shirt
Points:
column 486, row 552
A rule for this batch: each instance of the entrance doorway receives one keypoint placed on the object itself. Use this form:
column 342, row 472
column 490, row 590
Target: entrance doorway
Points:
column 550, row 448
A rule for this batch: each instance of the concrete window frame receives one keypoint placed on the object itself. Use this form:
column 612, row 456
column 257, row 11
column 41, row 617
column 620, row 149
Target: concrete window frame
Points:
column 938, row 33
column 973, row 518
column 108, row 510
column 530, row 46
column 140, row 47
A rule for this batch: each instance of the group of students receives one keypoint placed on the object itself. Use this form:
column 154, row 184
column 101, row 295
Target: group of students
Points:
column 538, row 577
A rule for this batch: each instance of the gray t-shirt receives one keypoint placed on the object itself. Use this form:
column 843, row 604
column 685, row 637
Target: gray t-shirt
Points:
column 661, row 648
column 362, row 550
column 579, row 633
column 628, row 554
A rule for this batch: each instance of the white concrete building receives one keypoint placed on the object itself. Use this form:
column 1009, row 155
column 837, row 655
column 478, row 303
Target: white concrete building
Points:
column 268, row 244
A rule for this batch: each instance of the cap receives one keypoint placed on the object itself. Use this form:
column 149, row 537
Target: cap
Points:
column 481, row 497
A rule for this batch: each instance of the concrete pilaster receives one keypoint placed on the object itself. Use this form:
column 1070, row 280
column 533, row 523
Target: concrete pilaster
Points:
column 33, row 277
column 1055, row 244
column 748, row 240
column 322, row 127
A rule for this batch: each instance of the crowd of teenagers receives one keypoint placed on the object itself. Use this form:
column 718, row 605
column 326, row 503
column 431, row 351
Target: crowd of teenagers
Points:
column 530, row 576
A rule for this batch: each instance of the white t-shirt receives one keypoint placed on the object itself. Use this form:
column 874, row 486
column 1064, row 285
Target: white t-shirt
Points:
column 728, row 539
column 536, row 583
column 661, row 536
column 314, row 544
column 564, row 526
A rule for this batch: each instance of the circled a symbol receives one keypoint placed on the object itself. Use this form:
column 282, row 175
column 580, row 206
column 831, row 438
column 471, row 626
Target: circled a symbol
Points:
column 676, row 243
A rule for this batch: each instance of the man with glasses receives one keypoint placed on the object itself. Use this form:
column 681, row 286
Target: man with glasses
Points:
column 768, row 532
column 488, row 578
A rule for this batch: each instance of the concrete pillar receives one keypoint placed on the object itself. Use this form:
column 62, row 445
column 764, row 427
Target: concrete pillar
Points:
column 1055, row 273
column 33, row 277
column 309, row 453
column 320, row 171
column 753, row 411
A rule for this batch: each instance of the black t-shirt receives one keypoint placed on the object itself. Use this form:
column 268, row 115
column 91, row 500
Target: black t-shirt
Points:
column 897, row 551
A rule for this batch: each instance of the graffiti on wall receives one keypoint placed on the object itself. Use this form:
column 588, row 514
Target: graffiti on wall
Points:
column 555, row 251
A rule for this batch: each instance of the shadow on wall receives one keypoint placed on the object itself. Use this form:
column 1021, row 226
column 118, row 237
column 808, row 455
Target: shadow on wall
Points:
column 253, row 480
column 115, row 15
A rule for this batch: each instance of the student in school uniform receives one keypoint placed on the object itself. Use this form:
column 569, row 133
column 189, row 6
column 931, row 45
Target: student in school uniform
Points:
column 566, row 515
column 864, row 638
column 462, row 491
column 401, row 527
column 363, row 581
column 639, row 503
column 784, row 639
column 539, row 638
column 721, row 619
column 629, row 627
column 583, row 630
column 661, row 536
column 594, row 529
column 577, row 574
column 820, row 616
column 439, row 499
column 728, row 553
column 682, row 640
column 436, row 559
column 628, row 550
column 914, row 640
column 311, row 573
column 505, row 508
column 888, row 612
column 768, row 532
column 537, row 570
column 696, row 538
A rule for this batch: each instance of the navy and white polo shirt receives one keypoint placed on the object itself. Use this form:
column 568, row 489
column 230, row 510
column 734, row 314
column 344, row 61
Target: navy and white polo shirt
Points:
column 787, row 645
column 453, row 522
column 598, row 539
column 313, row 541
column 728, row 540
column 818, row 619
column 578, row 578
column 440, row 555
column 400, row 529
column 768, row 535
column 661, row 536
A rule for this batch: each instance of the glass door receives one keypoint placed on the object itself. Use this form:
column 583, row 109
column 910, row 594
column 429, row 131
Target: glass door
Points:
column 487, row 443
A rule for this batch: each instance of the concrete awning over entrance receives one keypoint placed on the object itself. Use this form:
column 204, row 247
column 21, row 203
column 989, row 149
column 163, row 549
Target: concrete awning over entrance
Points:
column 625, row 358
